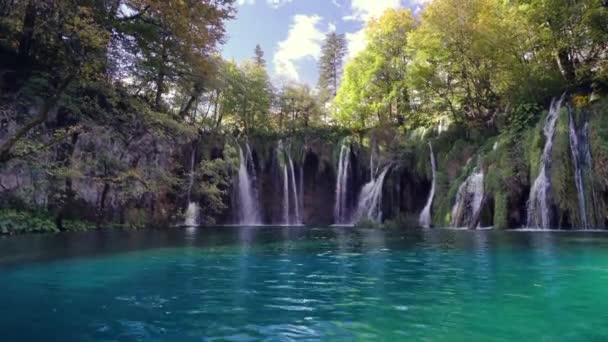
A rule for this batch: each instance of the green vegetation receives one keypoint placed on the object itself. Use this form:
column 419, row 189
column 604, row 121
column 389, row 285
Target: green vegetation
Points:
column 105, row 104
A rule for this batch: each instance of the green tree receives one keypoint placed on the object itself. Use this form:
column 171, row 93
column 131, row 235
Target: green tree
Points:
column 576, row 33
column 374, row 90
column 330, row 65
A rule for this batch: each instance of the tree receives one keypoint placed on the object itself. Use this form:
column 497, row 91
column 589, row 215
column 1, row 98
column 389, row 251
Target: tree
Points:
column 173, row 39
column 67, row 45
column 576, row 32
column 374, row 90
column 467, row 56
column 330, row 65
column 259, row 56
column 297, row 107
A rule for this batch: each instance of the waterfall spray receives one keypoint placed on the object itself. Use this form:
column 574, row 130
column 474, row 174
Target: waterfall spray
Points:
column 425, row 216
column 539, row 202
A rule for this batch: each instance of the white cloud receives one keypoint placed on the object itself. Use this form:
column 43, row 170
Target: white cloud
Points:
column 273, row 3
column 356, row 41
column 278, row 3
column 363, row 11
column 303, row 41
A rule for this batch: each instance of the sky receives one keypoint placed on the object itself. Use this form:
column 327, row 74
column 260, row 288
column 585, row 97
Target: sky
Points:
column 291, row 32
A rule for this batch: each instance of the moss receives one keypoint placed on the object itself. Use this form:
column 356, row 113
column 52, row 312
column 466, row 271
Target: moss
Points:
column 501, row 215
column 598, row 135
column 564, row 191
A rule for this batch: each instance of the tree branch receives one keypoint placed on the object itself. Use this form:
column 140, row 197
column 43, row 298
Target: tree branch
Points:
column 5, row 148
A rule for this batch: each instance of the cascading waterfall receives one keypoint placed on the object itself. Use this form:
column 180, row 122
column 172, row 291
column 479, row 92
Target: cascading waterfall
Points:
column 290, row 188
column 370, row 200
column 539, row 202
column 373, row 156
column 469, row 199
column 301, row 192
column 249, row 212
column 192, row 212
column 340, row 205
column 582, row 164
column 285, row 195
column 578, row 170
column 425, row 215
column 296, row 197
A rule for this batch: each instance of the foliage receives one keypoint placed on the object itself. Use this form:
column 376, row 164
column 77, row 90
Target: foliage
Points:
column 19, row 222
column 373, row 90
column 214, row 178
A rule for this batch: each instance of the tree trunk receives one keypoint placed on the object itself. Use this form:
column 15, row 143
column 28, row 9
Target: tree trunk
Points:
column 188, row 106
column 160, row 79
column 5, row 148
column 566, row 65
column 27, row 32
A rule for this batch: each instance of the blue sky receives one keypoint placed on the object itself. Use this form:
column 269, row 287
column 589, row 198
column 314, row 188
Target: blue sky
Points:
column 291, row 31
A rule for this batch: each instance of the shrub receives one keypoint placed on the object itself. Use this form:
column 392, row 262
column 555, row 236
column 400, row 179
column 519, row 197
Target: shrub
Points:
column 19, row 222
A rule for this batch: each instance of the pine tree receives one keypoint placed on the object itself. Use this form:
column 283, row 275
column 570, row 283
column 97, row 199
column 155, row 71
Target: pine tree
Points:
column 330, row 65
column 259, row 56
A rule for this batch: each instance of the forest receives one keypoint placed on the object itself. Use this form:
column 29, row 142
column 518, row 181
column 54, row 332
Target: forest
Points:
column 123, row 113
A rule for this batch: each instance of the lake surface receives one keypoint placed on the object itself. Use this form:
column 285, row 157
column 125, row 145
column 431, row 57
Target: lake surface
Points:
column 280, row 284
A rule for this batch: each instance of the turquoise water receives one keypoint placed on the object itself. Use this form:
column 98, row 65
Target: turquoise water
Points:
column 281, row 284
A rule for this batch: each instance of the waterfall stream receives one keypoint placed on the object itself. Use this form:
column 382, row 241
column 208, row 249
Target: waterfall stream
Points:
column 370, row 199
column 578, row 170
column 469, row 200
column 291, row 193
column 296, row 197
column 286, row 219
column 425, row 220
column 192, row 212
column 248, row 212
column 340, row 205
column 539, row 202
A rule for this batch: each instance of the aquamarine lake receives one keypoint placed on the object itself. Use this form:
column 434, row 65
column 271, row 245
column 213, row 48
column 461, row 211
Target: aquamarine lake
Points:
column 302, row 283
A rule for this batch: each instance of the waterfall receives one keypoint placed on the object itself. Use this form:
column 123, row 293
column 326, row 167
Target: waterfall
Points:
column 578, row 171
column 469, row 200
column 249, row 212
column 192, row 212
column 285, row 195
column 291, row 213
column 582, row 164
column 539, row 202
column 370, row 200
column 296, row 199
column 301, row 191
column 373, row 156
column 425, row 216
column 340, row 205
